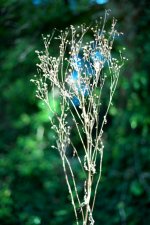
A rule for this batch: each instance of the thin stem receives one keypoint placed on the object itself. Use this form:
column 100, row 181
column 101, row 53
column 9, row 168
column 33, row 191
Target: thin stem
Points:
column 99, row 177
column 74, row 183
column 70, row 190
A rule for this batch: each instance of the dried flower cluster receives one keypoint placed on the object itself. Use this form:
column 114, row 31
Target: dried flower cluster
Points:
column 79, row 75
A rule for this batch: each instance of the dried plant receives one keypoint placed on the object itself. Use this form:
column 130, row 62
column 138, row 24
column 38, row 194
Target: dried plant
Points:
column 79, row 76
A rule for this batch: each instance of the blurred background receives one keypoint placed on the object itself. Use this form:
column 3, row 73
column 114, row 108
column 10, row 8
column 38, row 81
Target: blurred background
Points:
column 32, row 185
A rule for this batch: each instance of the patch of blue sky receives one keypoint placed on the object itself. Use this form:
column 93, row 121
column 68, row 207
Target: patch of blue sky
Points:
column 98, row 56
column 83, row 90
column 80, row 66
column 73, row 5
column 41, row 2
column 75, row 101
column 37, row 2
column 77, row 62
column 100, row 2
column 75, row 75
column 83, row 66
column 87, row 68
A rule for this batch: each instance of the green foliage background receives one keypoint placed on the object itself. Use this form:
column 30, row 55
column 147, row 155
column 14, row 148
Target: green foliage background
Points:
column 32, row 185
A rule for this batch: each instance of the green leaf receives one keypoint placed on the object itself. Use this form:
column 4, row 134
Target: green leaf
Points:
column 136, row 188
